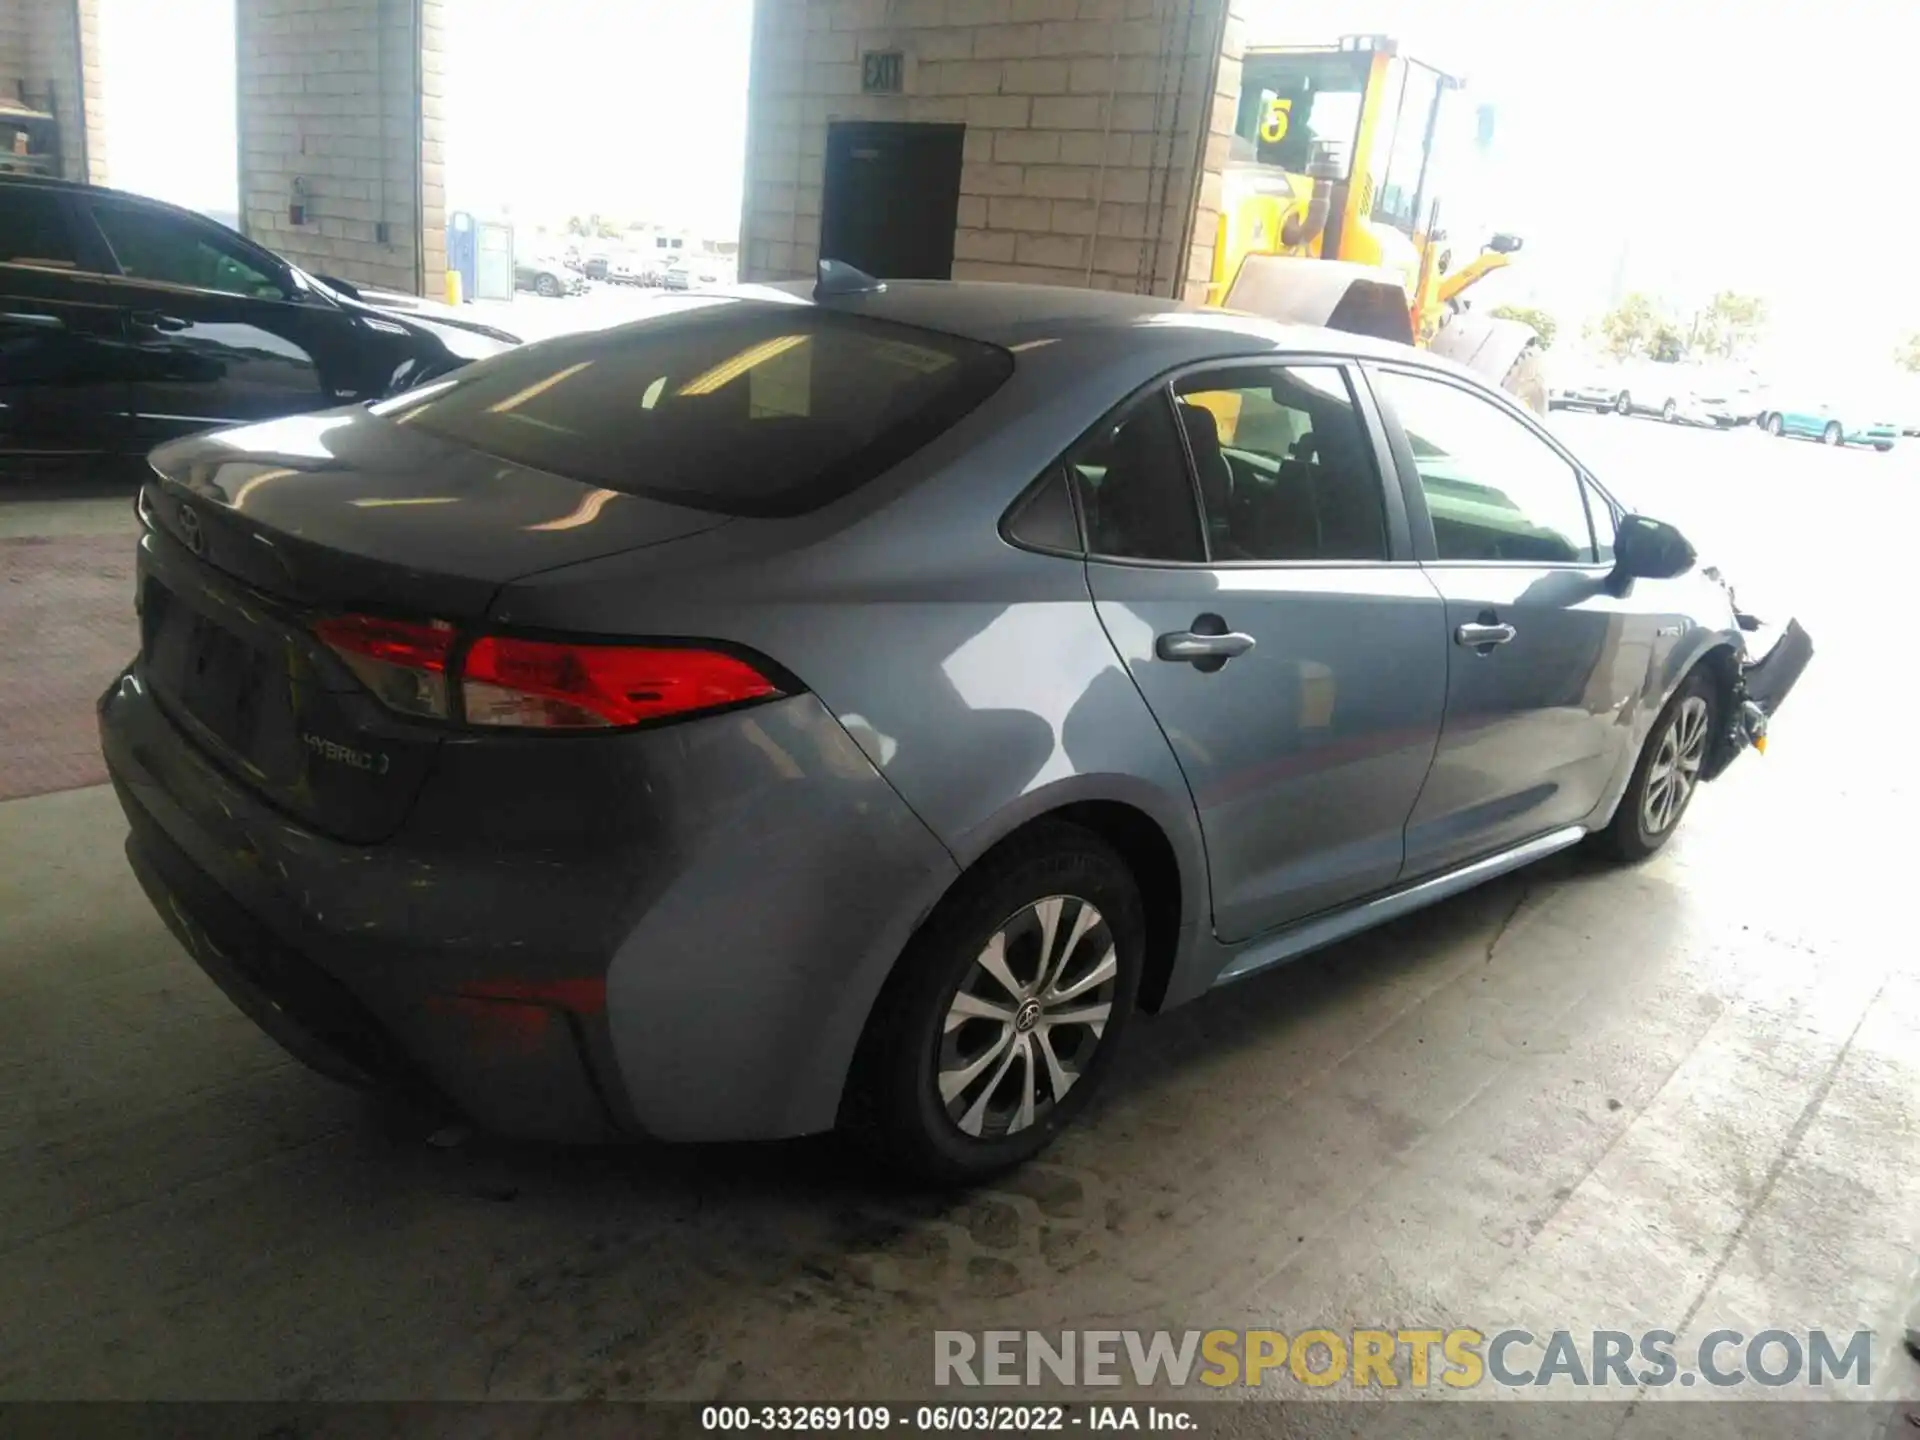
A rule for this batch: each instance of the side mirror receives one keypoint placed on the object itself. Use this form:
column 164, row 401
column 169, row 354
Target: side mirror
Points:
column 1649, row 549
column 332, row 283
column 1504, row 244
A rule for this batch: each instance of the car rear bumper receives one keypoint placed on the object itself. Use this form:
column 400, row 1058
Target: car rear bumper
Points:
column 675, row 932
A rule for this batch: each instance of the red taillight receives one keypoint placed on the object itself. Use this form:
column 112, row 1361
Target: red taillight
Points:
column 537, row 684
column 403, row 662
column 543, row 685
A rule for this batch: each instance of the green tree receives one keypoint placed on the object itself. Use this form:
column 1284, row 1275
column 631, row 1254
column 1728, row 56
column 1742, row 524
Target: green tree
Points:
column 1729, row 325
column 1907, row 357
column 1626, row 331
column 1667, row 344
column 1542, row 324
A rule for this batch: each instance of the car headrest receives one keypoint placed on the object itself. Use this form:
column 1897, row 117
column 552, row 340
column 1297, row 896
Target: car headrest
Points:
column 1203, row 430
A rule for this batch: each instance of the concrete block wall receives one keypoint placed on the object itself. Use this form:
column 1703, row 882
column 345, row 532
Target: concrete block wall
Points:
column 54, row 44
column 1094, row 131
column 13, row 46
column 344, row 96
column 93, row 99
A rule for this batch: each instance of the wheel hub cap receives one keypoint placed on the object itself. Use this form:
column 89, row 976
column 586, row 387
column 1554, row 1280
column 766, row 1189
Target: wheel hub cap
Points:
column 1676, row 767
column 1027, row 1017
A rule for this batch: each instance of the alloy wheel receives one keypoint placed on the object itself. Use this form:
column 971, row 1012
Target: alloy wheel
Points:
column 1028, row 1015
column 1676, row 767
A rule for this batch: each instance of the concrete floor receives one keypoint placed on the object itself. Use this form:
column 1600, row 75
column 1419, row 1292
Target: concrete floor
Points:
column 1679, row 1096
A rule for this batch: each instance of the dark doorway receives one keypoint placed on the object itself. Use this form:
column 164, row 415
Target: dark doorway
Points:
column 892, row 198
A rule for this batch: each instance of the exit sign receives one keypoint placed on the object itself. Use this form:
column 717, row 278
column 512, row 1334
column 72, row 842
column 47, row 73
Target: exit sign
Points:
column 882, row 72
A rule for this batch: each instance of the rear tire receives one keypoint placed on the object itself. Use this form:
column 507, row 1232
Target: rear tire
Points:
column 1667, row 774
column 548, row 286
column 1623, row 404
column 1669, row 412
column 959, row 1076
column 1883, row 446
column 1773, row 424
column 1832, row 435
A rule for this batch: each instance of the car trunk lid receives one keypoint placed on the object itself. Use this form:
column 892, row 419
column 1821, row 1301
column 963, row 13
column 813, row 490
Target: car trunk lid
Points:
column 256, row 535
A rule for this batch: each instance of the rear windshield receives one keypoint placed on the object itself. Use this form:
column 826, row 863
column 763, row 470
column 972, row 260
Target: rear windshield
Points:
column 740, row 407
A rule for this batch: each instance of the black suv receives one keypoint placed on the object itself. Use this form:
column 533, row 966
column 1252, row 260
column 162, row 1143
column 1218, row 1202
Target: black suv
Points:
column 125, row 323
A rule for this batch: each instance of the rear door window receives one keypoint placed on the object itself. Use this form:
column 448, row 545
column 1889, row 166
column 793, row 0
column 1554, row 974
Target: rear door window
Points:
column 1135, row 489
column 736, row 407
column 1285, row 464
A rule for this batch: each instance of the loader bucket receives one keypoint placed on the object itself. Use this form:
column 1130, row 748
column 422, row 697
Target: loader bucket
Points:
column 1505, row 353
column 1300, row 290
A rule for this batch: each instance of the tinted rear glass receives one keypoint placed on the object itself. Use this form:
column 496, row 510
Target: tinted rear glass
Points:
column 739, row 407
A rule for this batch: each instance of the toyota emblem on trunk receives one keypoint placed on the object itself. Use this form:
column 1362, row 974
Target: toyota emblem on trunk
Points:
column 190, row 530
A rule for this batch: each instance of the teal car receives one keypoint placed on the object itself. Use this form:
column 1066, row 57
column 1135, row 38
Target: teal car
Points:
column 1830, row 424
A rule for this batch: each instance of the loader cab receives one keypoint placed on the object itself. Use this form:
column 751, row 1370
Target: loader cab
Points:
column 1371, row 125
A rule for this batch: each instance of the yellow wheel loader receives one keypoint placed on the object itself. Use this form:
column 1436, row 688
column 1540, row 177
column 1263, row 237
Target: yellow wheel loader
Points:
column 1330, row 207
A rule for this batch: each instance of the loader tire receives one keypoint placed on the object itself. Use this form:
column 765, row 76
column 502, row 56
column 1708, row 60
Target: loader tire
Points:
column 1526, row 380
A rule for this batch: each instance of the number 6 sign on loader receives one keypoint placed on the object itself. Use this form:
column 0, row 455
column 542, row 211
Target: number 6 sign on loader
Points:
column 1276, row 120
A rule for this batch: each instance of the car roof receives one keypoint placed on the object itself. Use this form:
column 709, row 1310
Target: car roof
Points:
column 1142, row 332
column 81, row 187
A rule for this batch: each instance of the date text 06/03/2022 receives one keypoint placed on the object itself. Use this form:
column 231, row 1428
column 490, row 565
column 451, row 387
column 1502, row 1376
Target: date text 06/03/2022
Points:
column 935, row 1419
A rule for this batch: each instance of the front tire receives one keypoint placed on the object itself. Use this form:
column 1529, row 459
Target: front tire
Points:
column 548, row 286
column 1623, row 404
column 1774, row 425
column 1883, row 446
column 1667, row 773
column 1669, row 412
column 1003, row 1014
column 1831, row 435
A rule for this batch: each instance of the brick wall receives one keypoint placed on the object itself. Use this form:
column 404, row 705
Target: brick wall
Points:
column 44, row 43
column 1094, row 134
column 93, row 92
column 344, row 96
column 13, row 46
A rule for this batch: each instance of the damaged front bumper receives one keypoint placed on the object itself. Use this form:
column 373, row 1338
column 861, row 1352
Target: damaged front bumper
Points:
column 1765, row 682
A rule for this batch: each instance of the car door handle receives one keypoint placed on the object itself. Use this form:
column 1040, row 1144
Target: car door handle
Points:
column 1185, row 645
column 33, row 322
column 154, row 320
column 1483, row 636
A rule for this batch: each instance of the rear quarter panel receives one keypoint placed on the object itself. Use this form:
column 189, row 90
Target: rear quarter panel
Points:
column 973, row 676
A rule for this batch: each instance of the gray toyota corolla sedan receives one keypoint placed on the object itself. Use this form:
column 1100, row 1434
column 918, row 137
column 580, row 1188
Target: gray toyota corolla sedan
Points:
column 848, row 705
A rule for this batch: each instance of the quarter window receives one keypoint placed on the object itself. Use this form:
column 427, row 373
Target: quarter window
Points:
column 1495, row 490
column 1285, row 466
column 151, row 245
column 1043, row 518
column 1134, row 488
